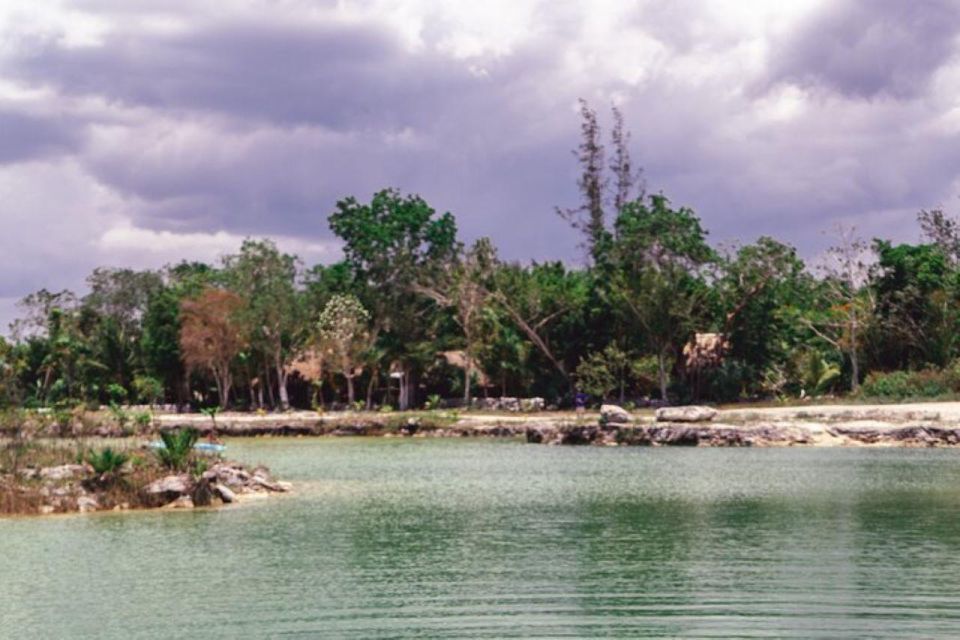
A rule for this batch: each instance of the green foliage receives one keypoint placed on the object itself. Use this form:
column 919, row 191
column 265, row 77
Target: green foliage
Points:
column 177, row 447
column 143, row 419
column 116, row 393
column 432, row 403
column 818, row 374
column 148, row 390
column 120, row 415
column 106, row 461
column 407, row 290
column 900, row 385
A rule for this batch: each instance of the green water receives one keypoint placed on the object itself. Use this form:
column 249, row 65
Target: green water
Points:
column 401, row 538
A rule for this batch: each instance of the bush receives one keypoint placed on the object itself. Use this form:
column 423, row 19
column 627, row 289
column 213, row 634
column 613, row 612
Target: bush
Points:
column 149, row 390
column 177, row 447
column 106, row 461
column 927, row 383
column 117, row 393
column 143, row 420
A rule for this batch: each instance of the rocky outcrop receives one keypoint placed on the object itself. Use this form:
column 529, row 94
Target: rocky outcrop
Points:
column 76, row 488
column 612, row 414
column 690, row 413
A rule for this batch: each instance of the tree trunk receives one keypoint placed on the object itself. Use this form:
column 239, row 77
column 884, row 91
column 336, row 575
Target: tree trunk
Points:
column 370, row 387
column 466, row 384
column 268, row 383
column 854, row 361
column 282, row 386
column 662, row 369
column 402, row 398
column 349, row 391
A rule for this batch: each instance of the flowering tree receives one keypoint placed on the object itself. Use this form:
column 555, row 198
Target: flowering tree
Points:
column 343, row 336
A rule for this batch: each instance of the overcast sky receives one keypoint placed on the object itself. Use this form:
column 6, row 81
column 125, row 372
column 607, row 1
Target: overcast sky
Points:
column 138, row 133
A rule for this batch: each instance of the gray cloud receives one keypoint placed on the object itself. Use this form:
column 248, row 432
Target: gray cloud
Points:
column 867, row 49
column 257, row 122
column 26, row 137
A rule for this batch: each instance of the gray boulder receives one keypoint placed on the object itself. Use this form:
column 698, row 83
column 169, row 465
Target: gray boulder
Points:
column 86, row 504
column 612, row 414
column 225, row 493
column 691, row 413
column 63, row 472
column 171, row 485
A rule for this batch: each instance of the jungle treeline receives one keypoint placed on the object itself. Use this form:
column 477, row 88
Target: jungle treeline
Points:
column 655, row 312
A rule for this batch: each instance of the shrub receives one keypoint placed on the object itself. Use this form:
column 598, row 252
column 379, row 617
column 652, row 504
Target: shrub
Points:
column 106, row 461
column 117, row 393
column 432, row 403
column 927, row 383
column 120, row 416
column 177, row 447
column 143, row 419
column 149, row 390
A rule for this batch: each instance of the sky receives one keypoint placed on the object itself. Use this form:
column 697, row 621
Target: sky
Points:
column 139, row 132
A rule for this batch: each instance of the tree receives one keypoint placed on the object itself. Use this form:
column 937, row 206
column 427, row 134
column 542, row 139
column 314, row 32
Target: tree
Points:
column 265, row 279
column 545, row 302
column 659, row 253
column 464, row 287
column 757, row 287
column 589, row 217
column 849, row 302
column 392, row 244
column 917, row 308
column 628, row 184
column 343, row 336
column 160, row 344
column 211, row 336
column 943, row 231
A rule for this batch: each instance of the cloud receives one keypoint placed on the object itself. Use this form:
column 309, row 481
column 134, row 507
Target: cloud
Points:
column 870, row 49
column 138, row 132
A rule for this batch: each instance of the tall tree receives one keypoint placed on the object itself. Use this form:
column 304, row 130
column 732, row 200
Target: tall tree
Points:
column 266, row 279
column 211, row 336
column 590, row 217
column 464, row 288
column 659, row 256
column 628, row 184
column 392, row 244
column 850, row 304
column 942, row 230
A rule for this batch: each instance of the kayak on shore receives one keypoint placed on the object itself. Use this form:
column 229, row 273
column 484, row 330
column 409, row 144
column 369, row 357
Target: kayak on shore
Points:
column 209, row 447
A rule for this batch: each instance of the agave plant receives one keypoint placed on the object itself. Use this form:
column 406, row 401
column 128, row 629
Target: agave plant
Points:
column 106, row 461
column 177, row 446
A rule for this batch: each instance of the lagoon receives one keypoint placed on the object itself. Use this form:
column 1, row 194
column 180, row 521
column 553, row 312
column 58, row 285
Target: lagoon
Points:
column 412, row 538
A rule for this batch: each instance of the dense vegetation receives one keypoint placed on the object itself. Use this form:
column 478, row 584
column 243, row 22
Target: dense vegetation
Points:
column 410, row 312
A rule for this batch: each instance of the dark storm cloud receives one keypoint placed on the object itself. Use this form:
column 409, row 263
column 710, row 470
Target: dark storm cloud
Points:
column 866, row 48
column 286, row 119
column 256, row 124
column 337, row 76
column 26, row 137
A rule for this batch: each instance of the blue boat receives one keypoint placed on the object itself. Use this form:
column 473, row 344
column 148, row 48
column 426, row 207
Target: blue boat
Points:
column 209, row 447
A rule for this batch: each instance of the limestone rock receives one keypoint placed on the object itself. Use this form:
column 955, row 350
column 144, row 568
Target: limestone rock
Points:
column 691, row 413
column 183, row 502
column 86, row 504
column 63, row 472
column 612, row 414
column 173, row 485
column 225, row 493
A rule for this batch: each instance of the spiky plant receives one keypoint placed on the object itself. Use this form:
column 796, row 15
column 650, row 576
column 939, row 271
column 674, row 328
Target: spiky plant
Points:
column 106, row 461
column 177, row 446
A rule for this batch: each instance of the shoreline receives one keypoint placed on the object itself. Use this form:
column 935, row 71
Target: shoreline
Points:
column 904, row 425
